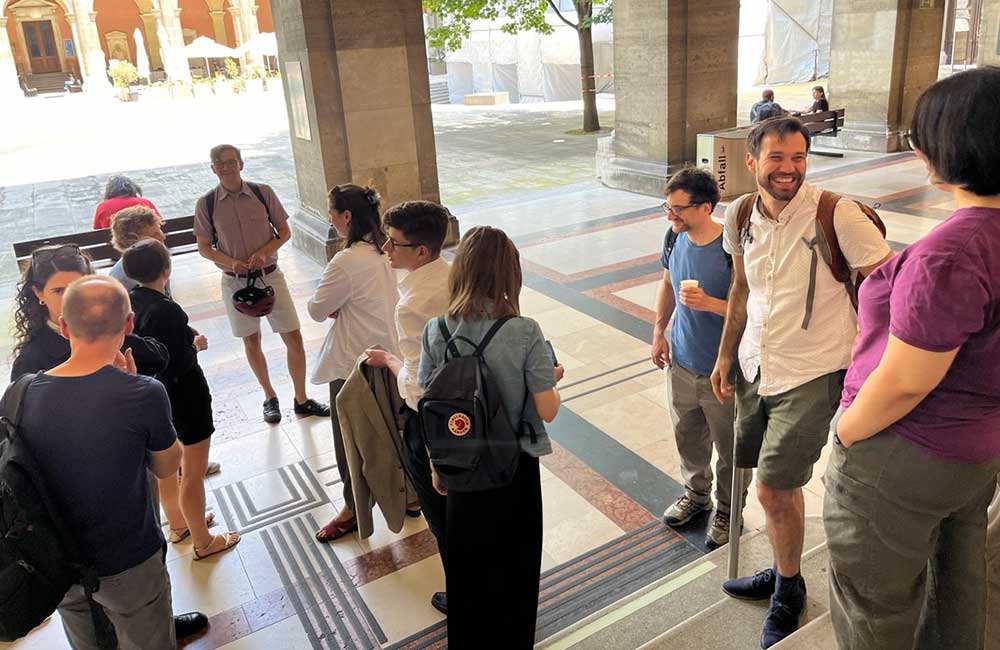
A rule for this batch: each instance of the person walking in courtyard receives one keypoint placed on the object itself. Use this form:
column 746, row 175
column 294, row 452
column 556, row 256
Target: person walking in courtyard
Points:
column 793, row 323
column 696, row 278
column 159, row 317
column 240, row 226
column 358, row 292
column 121, row 192
column 917, row 442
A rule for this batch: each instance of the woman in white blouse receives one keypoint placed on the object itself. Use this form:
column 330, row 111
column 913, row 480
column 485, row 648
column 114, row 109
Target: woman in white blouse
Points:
column 358, row 292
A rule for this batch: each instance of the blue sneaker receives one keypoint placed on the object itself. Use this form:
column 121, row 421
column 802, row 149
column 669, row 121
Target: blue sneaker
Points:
column 782, row 618
column 759, row 586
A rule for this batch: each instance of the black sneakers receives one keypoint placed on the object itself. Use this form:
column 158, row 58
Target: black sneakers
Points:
column 787, row 605
column 439, row 601
column 272, row 412
column 312, row 407
column 759, row 586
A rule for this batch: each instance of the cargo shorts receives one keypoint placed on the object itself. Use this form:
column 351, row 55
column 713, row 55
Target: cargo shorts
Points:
column 783, row 435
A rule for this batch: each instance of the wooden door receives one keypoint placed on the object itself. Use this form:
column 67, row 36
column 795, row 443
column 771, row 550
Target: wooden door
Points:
column 41, row 41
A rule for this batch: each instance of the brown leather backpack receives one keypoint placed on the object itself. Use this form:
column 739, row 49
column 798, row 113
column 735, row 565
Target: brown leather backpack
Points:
column 825, row 241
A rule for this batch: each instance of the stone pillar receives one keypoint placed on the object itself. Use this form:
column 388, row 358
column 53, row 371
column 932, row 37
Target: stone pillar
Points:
column 989, row 33
column 219, row 26
column 93, row 64
column 355, row 80
column 152, row 39
column 884, row 54
column 172, row 42
column 10, row 87
column 675, row 77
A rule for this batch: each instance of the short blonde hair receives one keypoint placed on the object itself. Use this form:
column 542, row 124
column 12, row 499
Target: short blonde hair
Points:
column 129, row 225
column 95, row 307
column 485, row 278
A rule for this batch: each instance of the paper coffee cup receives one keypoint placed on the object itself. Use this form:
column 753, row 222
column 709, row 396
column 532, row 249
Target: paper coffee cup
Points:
column 689, row 284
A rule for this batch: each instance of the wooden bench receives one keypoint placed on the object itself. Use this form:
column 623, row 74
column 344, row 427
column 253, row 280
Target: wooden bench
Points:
column 825, row 123
column 97, row 243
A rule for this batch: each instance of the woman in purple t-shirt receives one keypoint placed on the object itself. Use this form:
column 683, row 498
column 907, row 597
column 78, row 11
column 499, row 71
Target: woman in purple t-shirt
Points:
column 917, row 444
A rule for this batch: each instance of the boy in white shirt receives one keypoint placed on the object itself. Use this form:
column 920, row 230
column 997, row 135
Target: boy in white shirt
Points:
column 415, row 232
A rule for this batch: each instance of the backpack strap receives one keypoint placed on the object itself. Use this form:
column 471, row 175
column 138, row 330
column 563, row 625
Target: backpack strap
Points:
column 209, row 200
column 743, row 213
column 491, row 333
column 446, row 335
column 255, row 188
column 13, row 399
column 669, row 242
column 831, row 252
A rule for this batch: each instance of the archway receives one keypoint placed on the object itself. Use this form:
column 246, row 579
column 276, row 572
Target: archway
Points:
column 42, row 40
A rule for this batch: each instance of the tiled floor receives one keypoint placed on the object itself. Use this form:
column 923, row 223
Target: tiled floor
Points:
column 590, row 278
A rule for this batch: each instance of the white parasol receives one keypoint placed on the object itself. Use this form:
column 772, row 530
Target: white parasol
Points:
column 141, row 58
column 205, row 48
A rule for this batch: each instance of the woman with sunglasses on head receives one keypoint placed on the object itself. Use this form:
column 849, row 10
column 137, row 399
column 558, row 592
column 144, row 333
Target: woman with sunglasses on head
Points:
column 358, row 292
column 494, row 536
column 39, row 345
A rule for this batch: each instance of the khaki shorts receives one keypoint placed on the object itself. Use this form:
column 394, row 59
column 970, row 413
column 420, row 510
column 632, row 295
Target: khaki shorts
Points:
column 283, row 318
column 783, row 435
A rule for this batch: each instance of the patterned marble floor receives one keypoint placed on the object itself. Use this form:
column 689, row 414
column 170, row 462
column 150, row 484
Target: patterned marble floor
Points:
column 590, row 258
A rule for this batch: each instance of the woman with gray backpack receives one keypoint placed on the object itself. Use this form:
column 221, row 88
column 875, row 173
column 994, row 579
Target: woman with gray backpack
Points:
column 490, row 384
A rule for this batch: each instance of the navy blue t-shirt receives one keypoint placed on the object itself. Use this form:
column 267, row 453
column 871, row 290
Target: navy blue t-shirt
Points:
column 695, row 335
column 90, row 436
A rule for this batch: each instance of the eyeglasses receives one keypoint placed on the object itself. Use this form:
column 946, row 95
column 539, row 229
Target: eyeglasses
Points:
column 909, row 140
column 392, row 243
column 676, row 209
column 46, row 255
column 226, row 163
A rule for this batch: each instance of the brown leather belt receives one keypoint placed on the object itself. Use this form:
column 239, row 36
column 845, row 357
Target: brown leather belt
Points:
column 267, row 270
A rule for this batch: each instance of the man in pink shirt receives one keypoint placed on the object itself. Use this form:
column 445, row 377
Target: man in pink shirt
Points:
column 240, row 226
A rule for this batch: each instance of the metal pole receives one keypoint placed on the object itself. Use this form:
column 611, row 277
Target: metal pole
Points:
column 736, row 516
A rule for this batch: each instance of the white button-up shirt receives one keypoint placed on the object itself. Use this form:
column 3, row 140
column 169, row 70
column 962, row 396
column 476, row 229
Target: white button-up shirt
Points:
column 360, row 284
column 423, row 295
column 777, row 260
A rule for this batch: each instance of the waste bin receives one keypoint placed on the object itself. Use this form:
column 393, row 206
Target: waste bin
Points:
column 724, row 154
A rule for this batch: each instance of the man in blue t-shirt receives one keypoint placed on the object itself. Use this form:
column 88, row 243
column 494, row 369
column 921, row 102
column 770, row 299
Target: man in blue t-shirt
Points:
column 696, row 278
column 93, row 426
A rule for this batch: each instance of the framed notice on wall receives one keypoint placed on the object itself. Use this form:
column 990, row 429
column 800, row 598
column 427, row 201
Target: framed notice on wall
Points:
column 68, row 46
column 297, row 100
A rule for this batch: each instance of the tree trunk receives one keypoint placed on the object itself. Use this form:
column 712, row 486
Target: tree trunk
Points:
column 591, row 122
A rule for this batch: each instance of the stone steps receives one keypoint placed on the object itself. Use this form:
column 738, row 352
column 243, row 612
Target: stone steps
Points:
column 439, row 91
column 51, row 82
column 686, row 608
column 815, row 635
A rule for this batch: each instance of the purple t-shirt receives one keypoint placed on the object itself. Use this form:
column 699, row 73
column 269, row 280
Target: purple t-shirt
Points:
column 942, row 293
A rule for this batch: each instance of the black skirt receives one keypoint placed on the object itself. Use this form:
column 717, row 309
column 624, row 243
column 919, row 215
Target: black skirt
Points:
column 191, row 405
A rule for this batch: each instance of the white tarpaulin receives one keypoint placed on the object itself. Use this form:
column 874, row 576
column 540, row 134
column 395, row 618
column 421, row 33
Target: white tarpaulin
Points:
column 530, row 66
column 796, row 41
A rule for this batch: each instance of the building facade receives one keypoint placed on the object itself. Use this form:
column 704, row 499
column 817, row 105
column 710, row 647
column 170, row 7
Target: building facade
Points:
column 79, row 37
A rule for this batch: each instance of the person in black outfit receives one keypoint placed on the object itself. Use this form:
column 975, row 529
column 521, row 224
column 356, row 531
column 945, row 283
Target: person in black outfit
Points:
column 156, row 315
column 819, row 104
column 39, row 345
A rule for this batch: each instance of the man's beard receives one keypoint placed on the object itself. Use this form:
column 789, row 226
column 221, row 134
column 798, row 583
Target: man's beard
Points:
column 780, row 194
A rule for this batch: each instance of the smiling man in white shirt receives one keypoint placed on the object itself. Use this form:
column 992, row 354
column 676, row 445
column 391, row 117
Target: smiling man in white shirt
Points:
column 794, row 324
column 415, row 233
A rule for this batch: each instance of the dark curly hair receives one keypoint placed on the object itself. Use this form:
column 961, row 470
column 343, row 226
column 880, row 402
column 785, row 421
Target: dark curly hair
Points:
column 30, row 316
column 363, row 202
column 121, row 186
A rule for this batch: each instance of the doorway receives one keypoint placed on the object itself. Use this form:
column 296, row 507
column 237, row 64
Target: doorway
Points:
column 39, row 37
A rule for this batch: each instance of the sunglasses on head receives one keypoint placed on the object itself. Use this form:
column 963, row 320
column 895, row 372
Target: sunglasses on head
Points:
column 46, row 255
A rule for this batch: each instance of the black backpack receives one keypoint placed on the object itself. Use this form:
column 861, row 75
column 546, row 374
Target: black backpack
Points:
column 469, row 437
column 38, row 559
column 209, row 199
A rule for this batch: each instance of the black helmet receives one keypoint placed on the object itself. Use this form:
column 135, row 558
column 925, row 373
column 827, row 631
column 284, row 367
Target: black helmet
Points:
column 253, row 300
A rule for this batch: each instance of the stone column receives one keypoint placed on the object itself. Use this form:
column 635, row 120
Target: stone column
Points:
column 989, row 34
column 883, row 55
column 219, row 26
column 152, row 38
column 355, row 80
column 172, row 41
column 93, row 64
column 675, row 77
column 10, row 87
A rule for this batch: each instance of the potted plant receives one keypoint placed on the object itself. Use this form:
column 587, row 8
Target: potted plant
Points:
column 123, row 74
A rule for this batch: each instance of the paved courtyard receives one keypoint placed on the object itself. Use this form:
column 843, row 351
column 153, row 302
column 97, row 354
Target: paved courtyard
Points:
column 52, row 171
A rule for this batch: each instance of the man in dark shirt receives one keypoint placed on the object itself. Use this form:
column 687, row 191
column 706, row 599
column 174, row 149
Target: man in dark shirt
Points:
column 94, row 426
column 765, row 108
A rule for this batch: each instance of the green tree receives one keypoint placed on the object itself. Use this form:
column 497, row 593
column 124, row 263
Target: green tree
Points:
column 524, row 15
